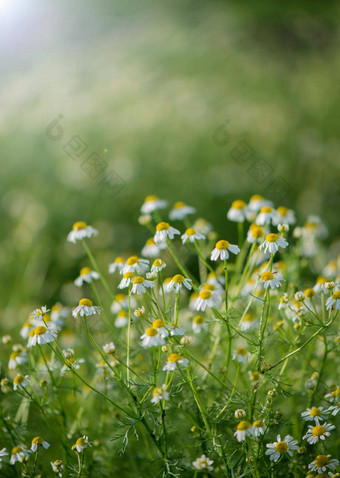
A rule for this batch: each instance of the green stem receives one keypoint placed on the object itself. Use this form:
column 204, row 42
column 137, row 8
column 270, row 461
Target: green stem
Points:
column 96, row 268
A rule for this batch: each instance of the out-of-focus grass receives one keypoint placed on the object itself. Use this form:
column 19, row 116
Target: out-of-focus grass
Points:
column 151, row 82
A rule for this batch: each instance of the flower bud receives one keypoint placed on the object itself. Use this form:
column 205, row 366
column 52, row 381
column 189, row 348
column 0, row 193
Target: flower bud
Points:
column 240, row 414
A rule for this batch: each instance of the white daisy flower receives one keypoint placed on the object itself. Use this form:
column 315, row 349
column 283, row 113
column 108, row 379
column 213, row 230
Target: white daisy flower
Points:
column 257, row 202
column 38, row 441
column 323, row 463
column 175, row 330
column 192, row 235
column 222, row 249
column 38, row 314
column 57, row 467
column 159, row 394
column 152, row 338
column 243, row 430
column 273, row 242
column 248, row 322
column 199, row 324
column 164, row 231
column 161, row 326
column 173, row 361
column 136, row 265
column 157, row 266
column 25, row 330
column 334, row 409
column 152, row 203
column 117, row 265
column 205, row 299
column 86, row 307
column 3, row 452
column 86, row 275
column 180, row 210
column 109, row 348
column 271, row 279
column 238, row 211
column 81, row 231
column 314, row 414
column 151, row 249
column 283, row 215
column 139, row 285
column 284, row 300
column 255, row 234
column 20, row 382
column 121, row 301
column 127, row 280
column 333, row 301
column 122, row 319
column 71, row 363
column 177, row 282
column 58, row 313
column 203, row 463
column 203, row 226
column 17, row 358
column 265, row 216
column 258, row 428
column 41, row 335
column 318, row 432
column 81, row 444
column 279, row 447
column 19, row 454
column 241, row 355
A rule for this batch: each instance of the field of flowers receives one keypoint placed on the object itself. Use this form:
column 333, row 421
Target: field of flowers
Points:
column 193, row 357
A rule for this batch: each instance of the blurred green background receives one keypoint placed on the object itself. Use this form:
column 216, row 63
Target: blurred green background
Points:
column 163, row 92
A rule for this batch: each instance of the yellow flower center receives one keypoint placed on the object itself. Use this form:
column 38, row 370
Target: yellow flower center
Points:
column 150, row 198
column 174, row 357
column 81, row 441
column 132, row 260
column 309, row 292
column 199, row 319
column 266, row 209
column 336, row 295
column 205, row 294
column 156, row 391
column 37, row 441
column 150, row 242
column 120, row 297
column 336, row 392
column 128, row 275
column 138, row 280
column 258, row 423
column 158, row 262
column 315, row 412
column 190, row 232
column 256, row 231
column 222, row 245
column 267, row 276
column 40, row 330
column 79, row 225
column 86, row 302
column 208, row 287
column 162, row 226
column 151, row 332
column 243, row 426
column 16, row 449
column 178, row 279
column 256, row 197
column 122, row 313
column 255, row 376
column 283, row 211
column 158, row 323
column 119, row 259
column 241, row 351
column 179, row 205
column 281, row 447
column 320, row 280
column 321, row 460
column 272, row 237
column 85, row 270
column 318, row 431
column 18, row 379
column 248, row 318
column 14, row 355
column 239, row 204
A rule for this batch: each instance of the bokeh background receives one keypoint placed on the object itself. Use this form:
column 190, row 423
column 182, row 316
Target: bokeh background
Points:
column 165, row 95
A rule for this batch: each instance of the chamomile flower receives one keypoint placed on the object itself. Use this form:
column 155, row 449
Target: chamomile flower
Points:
column 273, row 242
column 158, row 265
column 248, row 322
column 205, row 299
column 265, row 216
column 109, row 348
column 199, row 324
column 38, row 441
column 17, row 358
column 25, row 330
column 333, row 301
column 3, row 452
column 86, row 307
column 20, row 382
column 81, row 444
column 140, row 284
column 152, row 338
column 334, row 394
column 161, row 326
column 19, row 454
column 159, row 394
column 255, row 234
column 280, row 447
column 334, row 409
column 175, row 330
column 127, row 280
column 314, row 414
column 241, row 355
column 271, row 279
column 318, row 432
column 86, row 275
column 164, row 231
column 254, row 377
column 203, row 226
column 191, row 235
column 243, row 430
column 238, row 211
column 151, row 249
column 81, row 230
column 41, row 335
column 152, row 203
column 37, row 314
column 283, row 215
column 58, row 313
column 136, row 265
column 323, row 463
column 180, row 210
column 222, row 249
column 173, row 361
column 117, row 265
column 203, row 463
column 121, row 301
column 284, row 300
column 122, row 319
column 57, row 467
column 177, row 282
column 258, row 428
column 257, row 202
